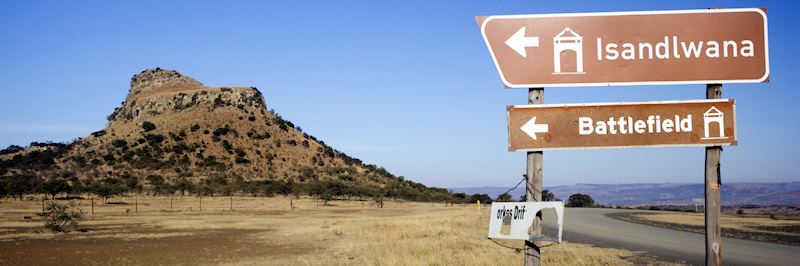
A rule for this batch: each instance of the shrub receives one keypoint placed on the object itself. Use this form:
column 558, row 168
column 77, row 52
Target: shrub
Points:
column 99, row 133
column 154, row 139
column 195, row 127
column 505, row 197
column 548, row 196
column 147, row 126
column 580, row 200
column 240, row 152
column 221, row 131
column 119, row 143
column 62, row 218
column 11, row 149
column 242, row 160
column 484, row 198
column 227, row 145
column 176, row 137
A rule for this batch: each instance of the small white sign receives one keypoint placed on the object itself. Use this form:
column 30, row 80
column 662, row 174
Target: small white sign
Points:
column 511, row 220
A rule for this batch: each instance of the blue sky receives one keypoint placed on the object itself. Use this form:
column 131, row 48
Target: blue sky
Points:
column 408, row 85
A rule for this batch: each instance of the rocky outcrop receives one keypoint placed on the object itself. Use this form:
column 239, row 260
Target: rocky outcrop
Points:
column 154, row 81
column 156, row 91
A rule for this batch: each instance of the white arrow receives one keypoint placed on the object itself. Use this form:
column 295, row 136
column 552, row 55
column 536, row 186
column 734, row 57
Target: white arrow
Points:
column 531, row 128
column 518, row 42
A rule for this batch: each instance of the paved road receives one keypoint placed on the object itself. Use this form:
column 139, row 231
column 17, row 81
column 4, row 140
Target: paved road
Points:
column 593, row 227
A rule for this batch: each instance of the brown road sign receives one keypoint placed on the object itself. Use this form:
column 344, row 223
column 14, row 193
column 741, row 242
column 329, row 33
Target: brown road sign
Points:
column 622, row 125
column 629, row 48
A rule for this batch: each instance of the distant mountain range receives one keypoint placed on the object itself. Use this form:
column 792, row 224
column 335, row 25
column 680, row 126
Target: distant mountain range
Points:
column 786, row 194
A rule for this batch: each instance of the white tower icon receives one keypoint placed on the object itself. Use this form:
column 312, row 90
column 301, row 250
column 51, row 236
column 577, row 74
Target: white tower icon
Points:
column 714, row 115
column 568, row 40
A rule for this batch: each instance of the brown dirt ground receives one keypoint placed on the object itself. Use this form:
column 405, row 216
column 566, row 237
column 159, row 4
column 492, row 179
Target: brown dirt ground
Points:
column 263, row 231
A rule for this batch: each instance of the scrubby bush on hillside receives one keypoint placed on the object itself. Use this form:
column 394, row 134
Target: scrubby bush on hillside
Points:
column 148, row 126
column 221, row 131
column 119, row 143
column 11, row 149
column 154, row 139
column 227, row 145
column 242, row 160
column 177, row 137
column 98, row 133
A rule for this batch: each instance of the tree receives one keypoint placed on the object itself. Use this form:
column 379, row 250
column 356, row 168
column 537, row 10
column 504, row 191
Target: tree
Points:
column 183, row 185
column 580, row 200
column 148, row 126
column 217, row 184
column 4, row 191
column 55, row 186
column 19, row 185
column 132, row 183
column 108, row 188
column 460, row 197
column 61, row 218
column 158, row 183
column 548, row 196
column 505, row 197
column 485, row 199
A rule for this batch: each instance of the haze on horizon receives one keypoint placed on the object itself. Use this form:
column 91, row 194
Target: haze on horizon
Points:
column 409, row 86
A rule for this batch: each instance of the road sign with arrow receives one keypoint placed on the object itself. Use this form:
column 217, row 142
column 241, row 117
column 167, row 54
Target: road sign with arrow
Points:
column 629, row 48
column 620, row 125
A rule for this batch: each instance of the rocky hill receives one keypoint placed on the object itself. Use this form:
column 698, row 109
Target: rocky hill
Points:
column 173, row 133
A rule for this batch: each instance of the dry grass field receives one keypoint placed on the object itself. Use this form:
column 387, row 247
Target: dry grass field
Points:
column 763, row 228
column 745, row 223
column 264, row 231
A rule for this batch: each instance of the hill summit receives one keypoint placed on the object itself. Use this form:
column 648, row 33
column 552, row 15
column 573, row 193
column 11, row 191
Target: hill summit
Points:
column 173, row 133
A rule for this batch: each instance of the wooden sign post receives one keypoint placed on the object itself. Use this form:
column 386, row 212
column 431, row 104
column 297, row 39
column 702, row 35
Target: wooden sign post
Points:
column 713, row 183
column 533, row 187
column 710, row 46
